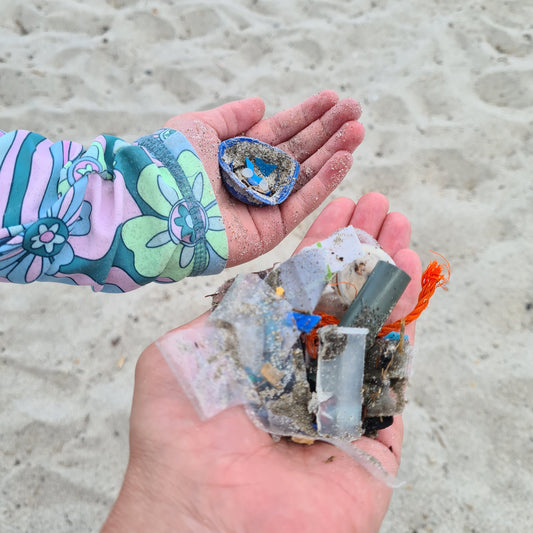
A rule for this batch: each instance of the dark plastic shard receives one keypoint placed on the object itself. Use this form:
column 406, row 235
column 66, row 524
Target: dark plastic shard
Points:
column 376, row 299
column 373, row 424
column 387, row 368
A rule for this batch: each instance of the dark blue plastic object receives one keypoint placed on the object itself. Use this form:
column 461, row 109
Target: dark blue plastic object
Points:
column 255, row 172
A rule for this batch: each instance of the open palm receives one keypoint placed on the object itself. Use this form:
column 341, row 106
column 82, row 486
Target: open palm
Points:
column 224, row 474
column 321, row 133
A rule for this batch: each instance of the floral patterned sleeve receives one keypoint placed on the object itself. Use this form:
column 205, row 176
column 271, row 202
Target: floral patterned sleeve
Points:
column 115, row 216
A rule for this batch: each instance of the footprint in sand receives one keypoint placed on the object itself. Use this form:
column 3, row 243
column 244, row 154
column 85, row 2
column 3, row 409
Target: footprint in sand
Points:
column 507, row 88
column 148, row 27
column 120, row 4
column 452, row 169
column 198, row 23
column 310, row 50
column 36, row 83
column 177, row 82
column 389, row 109
column 513, row 43
column 46, row 488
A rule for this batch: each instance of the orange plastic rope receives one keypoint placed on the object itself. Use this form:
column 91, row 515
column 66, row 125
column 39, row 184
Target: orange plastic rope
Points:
column 436, row 275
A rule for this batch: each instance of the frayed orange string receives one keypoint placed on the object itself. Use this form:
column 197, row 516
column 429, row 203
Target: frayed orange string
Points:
column 311, row 338
column 432, row 278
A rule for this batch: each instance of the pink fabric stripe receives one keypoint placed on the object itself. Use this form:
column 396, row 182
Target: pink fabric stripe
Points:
column 80, row 279
column 67, row 200
column 35, row 269
column 66, row 151
column 8, row 167
column 111, row 205
column 119, row 277
column 41, row 170
column 116, row 276
column 71, row 150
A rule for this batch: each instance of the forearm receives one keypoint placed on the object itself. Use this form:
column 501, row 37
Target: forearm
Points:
column 115, row 217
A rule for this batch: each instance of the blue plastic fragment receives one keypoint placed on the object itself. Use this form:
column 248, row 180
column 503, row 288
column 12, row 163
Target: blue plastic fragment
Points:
column 395, row 336
column 305, row 322
column 253, row 178
column 265, row 168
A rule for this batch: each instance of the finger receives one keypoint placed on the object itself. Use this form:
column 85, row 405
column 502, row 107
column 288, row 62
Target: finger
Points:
column 392, row 437
column 347, row 138
column 386, row 447
column 334, row 216
column 310, row 196
column 395, row 233
column 370, row 213
column 306, row 142
column 284, row 125
column 228, row 120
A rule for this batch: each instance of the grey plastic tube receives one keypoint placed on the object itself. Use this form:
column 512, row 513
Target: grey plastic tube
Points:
column 376, row 299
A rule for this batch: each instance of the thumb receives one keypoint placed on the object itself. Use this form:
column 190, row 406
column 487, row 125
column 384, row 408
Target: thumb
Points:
column 228, row 120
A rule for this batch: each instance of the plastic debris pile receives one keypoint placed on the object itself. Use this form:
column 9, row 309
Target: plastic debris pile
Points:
column 254, row 349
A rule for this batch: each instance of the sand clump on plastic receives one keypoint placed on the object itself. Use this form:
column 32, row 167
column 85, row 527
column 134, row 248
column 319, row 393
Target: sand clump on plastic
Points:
column 448, row 110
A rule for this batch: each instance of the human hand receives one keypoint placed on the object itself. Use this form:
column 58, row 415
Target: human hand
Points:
column 321, row 133
column 224, row 474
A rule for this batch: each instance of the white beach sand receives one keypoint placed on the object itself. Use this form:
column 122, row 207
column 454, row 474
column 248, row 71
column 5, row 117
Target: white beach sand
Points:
column 447, row 93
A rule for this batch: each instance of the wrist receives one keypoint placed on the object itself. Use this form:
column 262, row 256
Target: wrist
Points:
column 145, row 504
column 195, row 225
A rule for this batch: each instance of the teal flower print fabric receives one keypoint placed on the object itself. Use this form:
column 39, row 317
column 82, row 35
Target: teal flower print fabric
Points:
column 115, row 216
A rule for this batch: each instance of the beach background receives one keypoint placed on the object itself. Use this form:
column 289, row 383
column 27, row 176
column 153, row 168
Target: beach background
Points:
column 447, row 96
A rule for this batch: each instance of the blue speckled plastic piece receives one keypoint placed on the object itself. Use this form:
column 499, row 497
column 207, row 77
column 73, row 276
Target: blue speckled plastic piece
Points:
column 247, row 194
